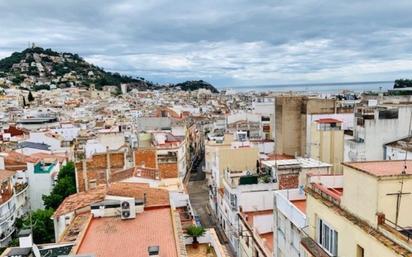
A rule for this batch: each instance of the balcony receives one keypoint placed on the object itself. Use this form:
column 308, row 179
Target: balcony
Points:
column 312, row 248
column 329, row 187
column 401, row 235
column 20, row 188
column 292, row 202
column 245, row 179
column 5, row 235
column 5, row 196
column 6, row 214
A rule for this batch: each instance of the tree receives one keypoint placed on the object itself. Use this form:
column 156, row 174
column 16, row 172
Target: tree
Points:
column 65, row 186
column 30, row 97
column 402, row 83
column 195, row 232
column 42, row 226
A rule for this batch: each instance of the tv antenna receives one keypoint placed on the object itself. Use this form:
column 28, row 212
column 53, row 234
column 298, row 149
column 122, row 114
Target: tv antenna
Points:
column 400, row 193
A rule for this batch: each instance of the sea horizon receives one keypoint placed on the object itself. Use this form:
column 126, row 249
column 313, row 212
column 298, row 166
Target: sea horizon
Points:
column 324, row 87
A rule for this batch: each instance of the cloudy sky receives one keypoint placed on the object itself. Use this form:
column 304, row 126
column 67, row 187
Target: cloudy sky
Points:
column 226, row 42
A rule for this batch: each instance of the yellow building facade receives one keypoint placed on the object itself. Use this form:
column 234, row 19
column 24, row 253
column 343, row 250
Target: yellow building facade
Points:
column 365, row 218
column 327, row 142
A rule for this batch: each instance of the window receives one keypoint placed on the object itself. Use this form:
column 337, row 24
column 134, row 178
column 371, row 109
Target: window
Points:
column 327, row 237
column 233, row 201
column 360, row 252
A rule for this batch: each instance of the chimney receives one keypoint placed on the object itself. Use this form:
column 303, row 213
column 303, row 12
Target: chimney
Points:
column 381, row 218
column 25, row 238
column 153, row 251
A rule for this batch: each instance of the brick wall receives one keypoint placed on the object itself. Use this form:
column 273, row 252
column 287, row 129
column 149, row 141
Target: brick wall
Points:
column 117, row 160
column 146, row 157
column 287, row 181
column 96, row 168
column 168, row 170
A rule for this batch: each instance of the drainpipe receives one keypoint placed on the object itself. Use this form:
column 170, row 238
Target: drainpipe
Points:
column 108, row 165
column 85, row 179
column 275, row 216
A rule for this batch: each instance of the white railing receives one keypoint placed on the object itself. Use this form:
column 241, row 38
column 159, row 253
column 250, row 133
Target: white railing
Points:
column 332, row 181
column 284, row 204
column 9, row 212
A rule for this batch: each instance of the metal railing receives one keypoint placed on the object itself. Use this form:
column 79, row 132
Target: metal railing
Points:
column 404, row 231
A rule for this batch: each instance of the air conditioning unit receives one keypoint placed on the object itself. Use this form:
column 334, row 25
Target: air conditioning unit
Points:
column 127, row 209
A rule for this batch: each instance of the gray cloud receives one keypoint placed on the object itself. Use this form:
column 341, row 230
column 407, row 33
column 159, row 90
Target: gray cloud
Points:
column 229, row 42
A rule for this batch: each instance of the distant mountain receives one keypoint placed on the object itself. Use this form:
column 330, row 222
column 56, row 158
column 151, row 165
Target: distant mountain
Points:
column 39, row 68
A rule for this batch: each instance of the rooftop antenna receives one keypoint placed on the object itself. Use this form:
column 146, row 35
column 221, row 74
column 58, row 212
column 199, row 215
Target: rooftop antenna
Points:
column 403, row 173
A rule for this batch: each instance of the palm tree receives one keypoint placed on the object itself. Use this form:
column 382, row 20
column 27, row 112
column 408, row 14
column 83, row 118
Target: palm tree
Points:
column 195, row 232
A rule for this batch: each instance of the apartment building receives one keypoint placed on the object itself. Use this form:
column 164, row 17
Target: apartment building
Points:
column 265, row 106
column 13, row 200
column 376, row 125
column 292, row 173
column 228, row 151
column 99, row 169
column 243, row 193
column 165, row 151
column 399, row 150
column 294, row 116
column 327, row 142
column 366, row 214
column 289, row 214
column 42, row 174
column 256, row 234
column 136, row 219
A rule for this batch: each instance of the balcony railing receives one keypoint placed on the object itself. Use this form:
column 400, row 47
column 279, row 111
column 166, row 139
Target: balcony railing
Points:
column 285, row 205
column 6, row 234
column 7, row 215
column 313, row 248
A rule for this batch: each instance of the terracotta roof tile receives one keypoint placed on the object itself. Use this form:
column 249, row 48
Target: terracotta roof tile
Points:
column 154, row 197
column 382, row 168
column 5, row 174
column 80, row 200
column 116, row 237
column 328, row 120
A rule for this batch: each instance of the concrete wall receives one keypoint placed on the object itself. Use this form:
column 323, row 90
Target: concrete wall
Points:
column 393, row 153
column 237, row 159
column 387, row 203
column 365, row 195
column 327, row 146
column 288, row 125
column 360, row 191
column 39, row 185
column 378, row 132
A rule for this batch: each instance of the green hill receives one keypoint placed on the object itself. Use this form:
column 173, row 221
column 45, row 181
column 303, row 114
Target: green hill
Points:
column 40, row 68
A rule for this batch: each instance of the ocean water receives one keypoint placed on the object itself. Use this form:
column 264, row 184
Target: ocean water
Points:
column 317, row 88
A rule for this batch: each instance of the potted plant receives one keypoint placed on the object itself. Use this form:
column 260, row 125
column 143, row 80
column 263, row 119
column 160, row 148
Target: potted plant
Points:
column 195, row 232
